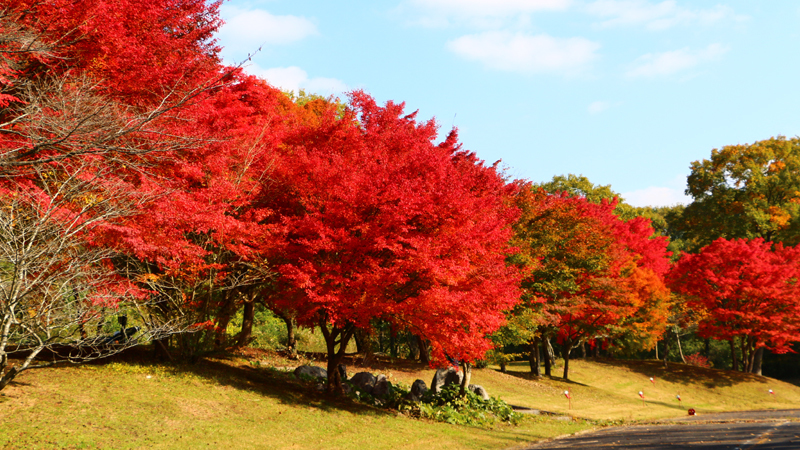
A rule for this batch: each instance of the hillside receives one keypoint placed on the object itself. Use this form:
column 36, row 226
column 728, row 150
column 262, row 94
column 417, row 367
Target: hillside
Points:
column 249, row 401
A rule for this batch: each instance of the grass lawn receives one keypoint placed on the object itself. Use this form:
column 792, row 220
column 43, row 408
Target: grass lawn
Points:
column 244, row 402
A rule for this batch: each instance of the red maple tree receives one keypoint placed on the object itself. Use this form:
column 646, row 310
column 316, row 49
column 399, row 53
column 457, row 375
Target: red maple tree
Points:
column 749, row 291
column 373, row 220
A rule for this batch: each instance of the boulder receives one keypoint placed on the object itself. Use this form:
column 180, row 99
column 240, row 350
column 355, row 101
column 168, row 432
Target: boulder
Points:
column 418, row 389
column 478, row 389
column 382, row 387
column 363, row 381
column 311, row 371
column 445, row 377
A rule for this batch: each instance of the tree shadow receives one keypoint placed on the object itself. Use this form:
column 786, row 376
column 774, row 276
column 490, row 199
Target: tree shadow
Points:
column 244, row 373
column 531, row 377
column 683, row 373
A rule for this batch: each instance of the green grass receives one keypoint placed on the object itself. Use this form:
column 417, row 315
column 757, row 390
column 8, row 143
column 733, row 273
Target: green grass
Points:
column 608, row 390
column 225, row 403
column 243, row 402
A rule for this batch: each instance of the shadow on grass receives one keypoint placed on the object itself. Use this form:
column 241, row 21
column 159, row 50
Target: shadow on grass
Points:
column 683, row 373
column 531, row 377
column 226, row 369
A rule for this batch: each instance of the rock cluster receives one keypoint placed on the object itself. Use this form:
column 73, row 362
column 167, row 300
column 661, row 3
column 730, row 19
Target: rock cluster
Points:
column 379, row 387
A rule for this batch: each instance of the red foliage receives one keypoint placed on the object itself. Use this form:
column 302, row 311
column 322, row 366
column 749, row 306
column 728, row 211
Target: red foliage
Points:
column 588, row 272
column 749, row 290
column 375, row 221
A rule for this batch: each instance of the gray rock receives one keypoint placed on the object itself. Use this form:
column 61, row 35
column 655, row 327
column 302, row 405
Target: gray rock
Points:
column 363, row 381
column 418, row 389
column 382, row 387
column 311, row 371
column 445, row 377
column 478, row 389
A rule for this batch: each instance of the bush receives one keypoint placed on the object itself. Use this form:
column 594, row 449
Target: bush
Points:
column 448, row 406
column 698, row 360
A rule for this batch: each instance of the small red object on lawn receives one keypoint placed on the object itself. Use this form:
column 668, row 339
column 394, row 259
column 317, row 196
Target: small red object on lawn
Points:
column 569, row 397
column 653, row 381
column 691, row 411
column 641, row 394
column 771, row 392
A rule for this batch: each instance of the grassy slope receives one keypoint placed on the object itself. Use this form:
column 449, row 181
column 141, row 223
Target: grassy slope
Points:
column 237, row 403
column 222, row 403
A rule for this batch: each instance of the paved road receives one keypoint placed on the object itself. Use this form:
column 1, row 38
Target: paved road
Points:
column 754, row 430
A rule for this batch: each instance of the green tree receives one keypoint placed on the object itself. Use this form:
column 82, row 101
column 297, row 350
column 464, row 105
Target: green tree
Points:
column 746, row 191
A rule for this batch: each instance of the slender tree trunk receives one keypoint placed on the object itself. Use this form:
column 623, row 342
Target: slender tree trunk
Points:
column 751, row 354
column 392, row 343
column 680, row 350
column 533, row 356
column 597, row 344
column 657, row 349
column 548, row 357
column 735, row 360
column 467, row 368
column 567, row 351
column 248, row 314
column 666, row 350
column 583, row 349
column 291, row 339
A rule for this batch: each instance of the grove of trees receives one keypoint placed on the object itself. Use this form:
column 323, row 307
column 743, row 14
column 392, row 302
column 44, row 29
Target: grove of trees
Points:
column 145, row 183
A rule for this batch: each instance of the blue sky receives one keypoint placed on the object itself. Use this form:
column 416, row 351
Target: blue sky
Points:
column 625, row 92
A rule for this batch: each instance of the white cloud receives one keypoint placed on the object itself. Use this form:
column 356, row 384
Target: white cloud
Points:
column 669, row 63
column 656, row 196
column 484, row 14
column 294, row 78
column 598, row 107
column 246, row 30
column 526, row 53
column 656, row 16
column 490, row 7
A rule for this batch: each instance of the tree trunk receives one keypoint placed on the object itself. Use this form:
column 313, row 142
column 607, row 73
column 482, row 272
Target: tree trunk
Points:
column 657, row 350
column 735, row 360
column 467, row 368
column 424, row 351
column 597, row 344
column 392, row 343
column 548, row 357
column 247, row 322
column 759, row 356
column 666, row 350
column 567, row 351
column 291, row 339
column 680, row 350
column 336, row 340
column 226, row 310
column 533, row 356
column 413, row 347
column 749, row 352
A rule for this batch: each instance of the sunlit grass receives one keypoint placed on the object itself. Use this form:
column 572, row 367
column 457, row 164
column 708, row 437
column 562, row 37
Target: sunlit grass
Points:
column 223, row 403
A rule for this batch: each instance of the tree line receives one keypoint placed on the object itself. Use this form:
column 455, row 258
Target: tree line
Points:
column 143, row 181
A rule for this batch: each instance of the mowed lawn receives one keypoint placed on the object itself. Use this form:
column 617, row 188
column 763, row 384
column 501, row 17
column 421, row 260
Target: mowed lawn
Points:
column 221, row 403
column 245, row 402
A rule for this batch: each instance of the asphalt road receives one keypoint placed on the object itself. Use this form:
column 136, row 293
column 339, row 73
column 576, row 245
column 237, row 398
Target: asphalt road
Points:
column 748, row 430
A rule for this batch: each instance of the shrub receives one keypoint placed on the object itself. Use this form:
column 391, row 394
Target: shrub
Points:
column 698, row 360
